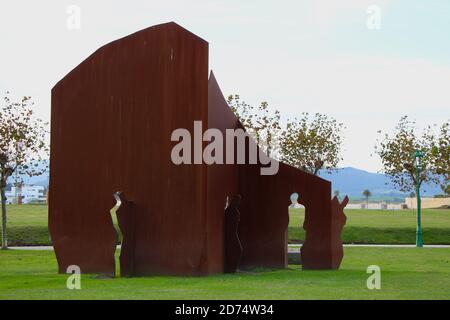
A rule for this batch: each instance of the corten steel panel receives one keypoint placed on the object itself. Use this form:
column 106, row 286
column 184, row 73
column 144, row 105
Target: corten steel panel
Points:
column 112, row 118
column 264, row 208
column 222, row 179
column 265, row 218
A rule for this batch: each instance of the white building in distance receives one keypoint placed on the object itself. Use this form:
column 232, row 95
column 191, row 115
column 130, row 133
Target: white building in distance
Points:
column 28, row 193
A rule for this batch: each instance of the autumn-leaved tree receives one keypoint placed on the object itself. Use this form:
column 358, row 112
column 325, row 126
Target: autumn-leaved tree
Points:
column 261, row 122
column 312, row 143
column 397, row 155
column 23, row 146
column 440, row 151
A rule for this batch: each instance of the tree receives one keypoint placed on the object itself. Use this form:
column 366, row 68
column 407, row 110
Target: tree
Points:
column 308, row 144
column 312, row 144
column 260, row 122
column 367, row 194
column 397, row 155
column 440, row 151
column 242, row 110
column 22, row 146
column 446, row 190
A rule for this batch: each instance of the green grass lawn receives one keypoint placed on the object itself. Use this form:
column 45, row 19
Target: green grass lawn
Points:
column 27, row 225
column 383, row 226
column 406, row 273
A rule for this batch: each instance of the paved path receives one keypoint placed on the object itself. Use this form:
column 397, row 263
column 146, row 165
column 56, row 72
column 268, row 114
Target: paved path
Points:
column 387, row 245
column 296, row 247
column 37, row 248
column 292, row 247
column 32, row 248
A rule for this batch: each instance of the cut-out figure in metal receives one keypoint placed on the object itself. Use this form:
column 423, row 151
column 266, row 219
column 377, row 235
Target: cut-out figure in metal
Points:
column 126, row 219
column 233, row 247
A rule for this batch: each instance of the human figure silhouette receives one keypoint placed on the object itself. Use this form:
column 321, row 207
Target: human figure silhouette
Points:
column 233, row 246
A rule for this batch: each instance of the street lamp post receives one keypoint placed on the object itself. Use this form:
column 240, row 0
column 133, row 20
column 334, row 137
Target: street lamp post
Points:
column 419, row 242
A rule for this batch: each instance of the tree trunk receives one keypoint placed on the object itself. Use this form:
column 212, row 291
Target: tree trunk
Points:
column 4, row 236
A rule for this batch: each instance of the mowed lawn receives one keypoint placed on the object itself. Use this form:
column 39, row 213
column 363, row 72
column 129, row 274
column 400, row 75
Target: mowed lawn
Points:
column 406, row 273
column 27, row 225
column 383, row 226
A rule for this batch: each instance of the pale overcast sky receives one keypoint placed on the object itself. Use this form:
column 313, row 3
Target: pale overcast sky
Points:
column 300, row 55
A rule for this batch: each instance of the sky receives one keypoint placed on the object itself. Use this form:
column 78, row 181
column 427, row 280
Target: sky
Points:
column 364, row 62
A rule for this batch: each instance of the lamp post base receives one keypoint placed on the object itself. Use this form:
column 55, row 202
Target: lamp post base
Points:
column 419, row 241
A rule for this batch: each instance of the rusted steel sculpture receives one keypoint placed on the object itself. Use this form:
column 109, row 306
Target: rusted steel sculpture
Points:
column 222, row 180
column 112, row 120
column 233, row 247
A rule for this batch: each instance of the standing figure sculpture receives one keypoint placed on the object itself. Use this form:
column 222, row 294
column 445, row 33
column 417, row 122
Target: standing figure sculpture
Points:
column 233, row 246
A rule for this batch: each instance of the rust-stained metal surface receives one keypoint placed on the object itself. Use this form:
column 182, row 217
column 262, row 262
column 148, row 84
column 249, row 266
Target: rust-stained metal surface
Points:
column 222, row 179
column 265, row 217
column 112, row 120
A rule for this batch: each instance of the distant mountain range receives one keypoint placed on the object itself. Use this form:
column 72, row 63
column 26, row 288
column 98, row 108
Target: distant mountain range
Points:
column 349, row 181
column 352, row 182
